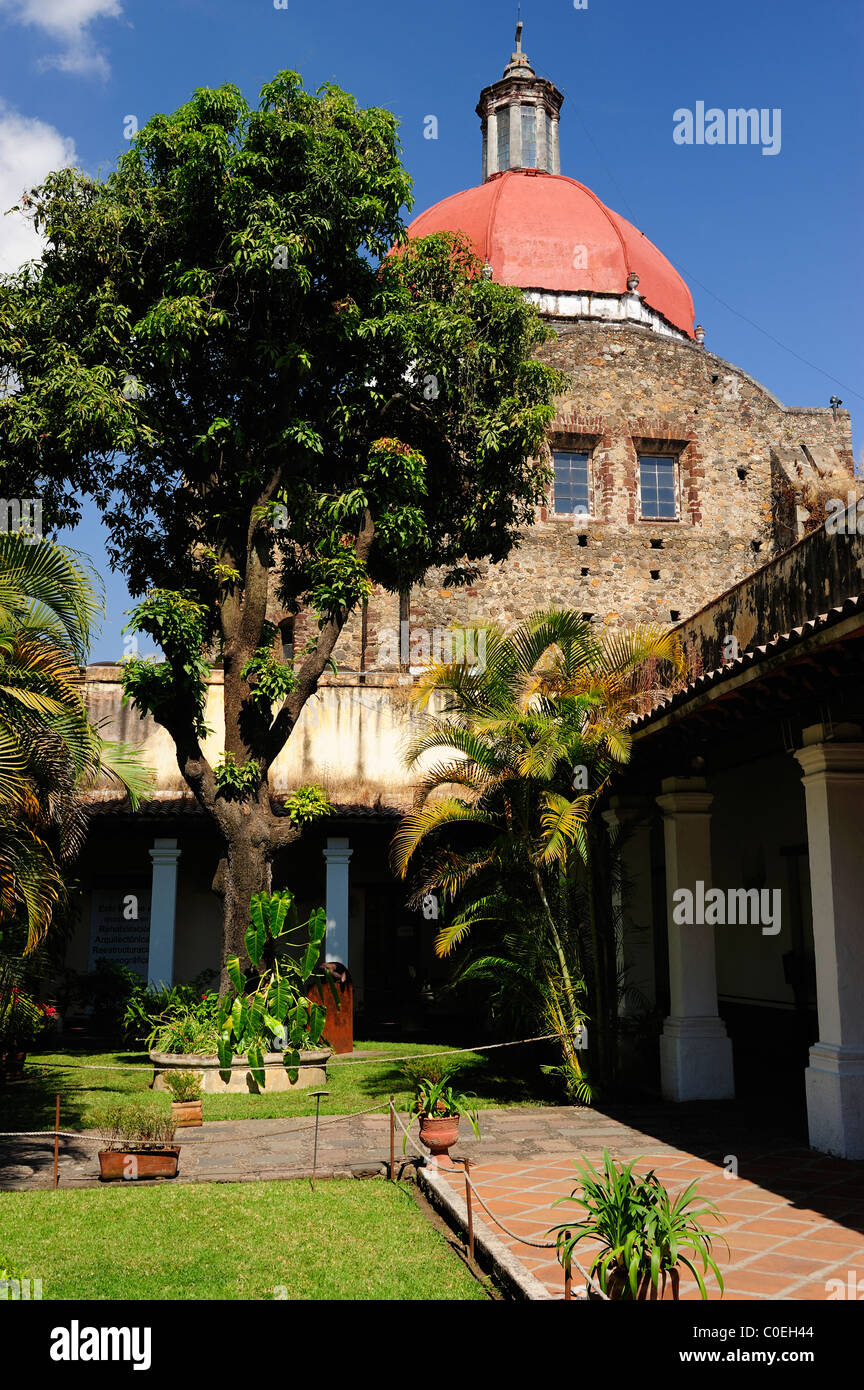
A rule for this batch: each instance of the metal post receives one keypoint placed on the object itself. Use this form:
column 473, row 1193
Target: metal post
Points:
column 392, row 1141
column 317, row 1095
column 568, row 1273
column 56, row 1140
column 469, row 1207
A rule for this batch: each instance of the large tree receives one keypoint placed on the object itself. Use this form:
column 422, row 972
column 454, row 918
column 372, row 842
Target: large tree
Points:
column 216, row 347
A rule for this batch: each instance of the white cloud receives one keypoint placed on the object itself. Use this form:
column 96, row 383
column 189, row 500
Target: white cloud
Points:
column 29, row 149
column 67, row 21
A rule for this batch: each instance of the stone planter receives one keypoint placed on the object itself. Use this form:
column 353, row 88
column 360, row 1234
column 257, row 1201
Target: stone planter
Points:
column 312, row 1072
column 131, row 1165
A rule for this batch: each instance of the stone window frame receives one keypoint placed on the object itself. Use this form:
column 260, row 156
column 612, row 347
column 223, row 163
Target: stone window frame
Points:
column 562, row 442
column 660, row 448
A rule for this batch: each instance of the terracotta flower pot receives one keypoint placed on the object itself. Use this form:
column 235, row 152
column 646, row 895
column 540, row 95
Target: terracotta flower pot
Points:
column 618, row 1288
column 132, row 1164
column 438, row 1134
column 12, row 1065
column 186, row 1114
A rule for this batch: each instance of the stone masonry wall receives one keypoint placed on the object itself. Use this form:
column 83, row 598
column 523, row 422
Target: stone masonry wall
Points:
column 633, row 391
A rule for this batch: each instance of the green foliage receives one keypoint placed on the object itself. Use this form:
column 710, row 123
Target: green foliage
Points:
column 183, row 1085
column 269, row 678
column 284, row 954
column 643, row 1232
column 432, row 1069
column 308, row 804
column 142, row 1006
column 552, row 697
column 186, row 1026
column 218, row 348
column 436, row 1100
column 22, row 1018
column 50, row 753
column 137, row 1128
column 237, row 780
column 176, row 686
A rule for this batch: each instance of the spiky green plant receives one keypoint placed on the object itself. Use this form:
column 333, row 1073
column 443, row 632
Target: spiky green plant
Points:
column 643, row 1231
column 50, row 753
column 512, row 766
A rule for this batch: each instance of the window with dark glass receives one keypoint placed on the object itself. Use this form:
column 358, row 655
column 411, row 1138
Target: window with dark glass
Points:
column 529, row 137
column 503, row 123
column 571, row 497
column 657, row 487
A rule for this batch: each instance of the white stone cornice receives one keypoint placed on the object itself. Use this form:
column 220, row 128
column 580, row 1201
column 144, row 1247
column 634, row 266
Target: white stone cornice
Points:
column 825, row 759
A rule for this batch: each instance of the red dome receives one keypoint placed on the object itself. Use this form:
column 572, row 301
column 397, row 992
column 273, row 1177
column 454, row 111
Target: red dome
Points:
column 548, row 232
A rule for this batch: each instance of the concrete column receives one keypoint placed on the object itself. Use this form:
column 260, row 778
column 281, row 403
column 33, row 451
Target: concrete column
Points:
column 632, row 816
column 695, row 1051
column 834, row 793
column 163, row 912
column 555, row 152
column 338, row 856
column 540, row 136
column 515, row 112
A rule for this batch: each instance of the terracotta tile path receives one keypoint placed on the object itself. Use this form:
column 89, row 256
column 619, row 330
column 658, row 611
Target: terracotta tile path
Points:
column 794, row 1219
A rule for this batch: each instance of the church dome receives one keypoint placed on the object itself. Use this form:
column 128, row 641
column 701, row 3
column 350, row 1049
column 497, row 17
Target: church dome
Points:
column 549, row 234
column 546, row 233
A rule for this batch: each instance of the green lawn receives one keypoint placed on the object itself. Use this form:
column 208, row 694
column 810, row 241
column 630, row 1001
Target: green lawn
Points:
column 502, row 1079
column 347, row 1241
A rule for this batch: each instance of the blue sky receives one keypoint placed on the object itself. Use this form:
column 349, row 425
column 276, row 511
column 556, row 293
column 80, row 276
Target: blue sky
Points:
column 772, row 241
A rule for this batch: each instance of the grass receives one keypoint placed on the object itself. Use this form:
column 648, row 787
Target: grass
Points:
column 346, row 1241
column 510, row 1077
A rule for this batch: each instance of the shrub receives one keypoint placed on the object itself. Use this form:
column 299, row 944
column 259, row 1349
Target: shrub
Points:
column 183, row 1085
column 137, row 1127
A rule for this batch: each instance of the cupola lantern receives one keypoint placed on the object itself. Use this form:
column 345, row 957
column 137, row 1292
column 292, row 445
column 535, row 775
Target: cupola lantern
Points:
column 519, row 117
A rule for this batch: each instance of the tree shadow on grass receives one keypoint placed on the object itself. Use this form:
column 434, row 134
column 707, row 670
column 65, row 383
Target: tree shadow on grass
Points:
column 493, row 1081
column 29, row 1104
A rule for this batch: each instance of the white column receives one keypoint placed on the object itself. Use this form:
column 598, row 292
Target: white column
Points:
column 695, row 1051
column 540, row 136
column 338, row 855
column 555, row 161
column 834, row 793
column 515, row 161
column 163, row 912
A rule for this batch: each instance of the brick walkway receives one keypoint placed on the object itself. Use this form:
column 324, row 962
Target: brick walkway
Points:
column 795, row 1219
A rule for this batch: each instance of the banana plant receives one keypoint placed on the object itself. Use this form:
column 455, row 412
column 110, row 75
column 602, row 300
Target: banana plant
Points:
column 284, row 955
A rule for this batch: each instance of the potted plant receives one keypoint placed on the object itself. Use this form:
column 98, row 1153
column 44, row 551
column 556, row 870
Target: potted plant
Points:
column 644, row 1234
column 22, row 1019
column 439, row 1108
column 186, row 1106
column 139, row 1145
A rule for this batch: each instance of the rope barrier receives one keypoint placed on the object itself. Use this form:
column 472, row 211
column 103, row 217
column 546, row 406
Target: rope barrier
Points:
column 87, row 1138
column 534, row 1244
column 331, row 1061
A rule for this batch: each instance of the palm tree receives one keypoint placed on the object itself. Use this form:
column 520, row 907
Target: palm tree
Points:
column 50, row 753
column 518, row 755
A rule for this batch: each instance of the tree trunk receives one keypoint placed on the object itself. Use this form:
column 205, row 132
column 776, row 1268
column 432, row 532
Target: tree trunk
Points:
column 245, row 870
